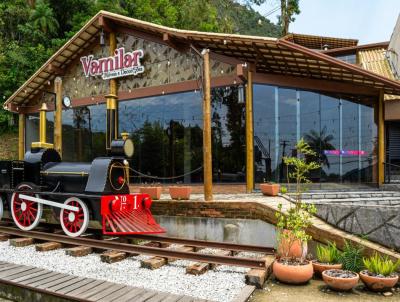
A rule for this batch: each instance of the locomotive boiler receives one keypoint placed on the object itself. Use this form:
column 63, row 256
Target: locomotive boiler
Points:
column 76, row 192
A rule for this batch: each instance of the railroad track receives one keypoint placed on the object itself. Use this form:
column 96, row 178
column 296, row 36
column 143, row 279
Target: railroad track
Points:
column 156, row 251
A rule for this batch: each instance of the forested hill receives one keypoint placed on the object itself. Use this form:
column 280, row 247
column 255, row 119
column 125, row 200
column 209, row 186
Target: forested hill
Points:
column 31, row 31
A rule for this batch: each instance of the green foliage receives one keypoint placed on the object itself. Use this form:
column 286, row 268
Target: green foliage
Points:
column 328, row 254
column 31, row 31
column 380, row 265
column 297, row 219
column 351, row 257
column 301, row 167
column 284, row 190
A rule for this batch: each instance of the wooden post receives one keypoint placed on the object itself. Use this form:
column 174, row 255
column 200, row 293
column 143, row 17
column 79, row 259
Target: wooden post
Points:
column 42, row 124
column 207, row 158
column 21, row 136
column 112, row 104
column 58, row 116
column 381, row 139
column 249, row 133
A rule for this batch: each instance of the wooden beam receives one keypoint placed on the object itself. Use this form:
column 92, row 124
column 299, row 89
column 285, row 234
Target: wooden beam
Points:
column 207, row 155
column 58, row 116
column 21, row 136
column 249, row 134
column 381, row 139
column 105, row 24
column 171, row 42
column 240, row 72
column 314, row 84
column 55, row 70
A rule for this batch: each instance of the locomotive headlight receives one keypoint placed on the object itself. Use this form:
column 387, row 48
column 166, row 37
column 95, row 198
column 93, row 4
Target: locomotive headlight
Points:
column 122, row 147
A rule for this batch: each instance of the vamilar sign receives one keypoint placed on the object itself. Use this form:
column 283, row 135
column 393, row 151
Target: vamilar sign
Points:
column 120, row 65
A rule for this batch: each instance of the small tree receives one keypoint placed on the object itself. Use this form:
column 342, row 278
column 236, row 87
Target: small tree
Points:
column 292, row 225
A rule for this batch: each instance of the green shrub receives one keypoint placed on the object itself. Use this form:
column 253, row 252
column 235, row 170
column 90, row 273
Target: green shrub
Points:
column 328, row 254
column 351, row 257
column 284, row 190
column 380, row 265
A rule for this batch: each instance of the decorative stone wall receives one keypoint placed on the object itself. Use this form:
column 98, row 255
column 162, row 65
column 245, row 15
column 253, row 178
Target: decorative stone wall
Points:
column 377, row 219
column 163, row 65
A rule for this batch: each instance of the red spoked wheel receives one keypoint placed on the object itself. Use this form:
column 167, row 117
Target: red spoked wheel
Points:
column 74, row 223
column 25, row 213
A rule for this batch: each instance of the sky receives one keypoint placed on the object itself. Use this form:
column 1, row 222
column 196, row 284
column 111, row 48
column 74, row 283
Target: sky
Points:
column 369, row 21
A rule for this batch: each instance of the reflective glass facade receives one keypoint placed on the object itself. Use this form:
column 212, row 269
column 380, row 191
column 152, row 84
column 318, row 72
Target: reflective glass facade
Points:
column 167, row 132
column 342, row 133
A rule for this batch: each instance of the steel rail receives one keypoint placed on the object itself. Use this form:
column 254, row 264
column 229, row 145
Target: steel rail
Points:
column 132, row 249
column 202, row 243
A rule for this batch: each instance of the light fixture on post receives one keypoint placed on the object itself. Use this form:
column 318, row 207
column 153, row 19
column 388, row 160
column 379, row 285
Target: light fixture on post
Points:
column 102, row 40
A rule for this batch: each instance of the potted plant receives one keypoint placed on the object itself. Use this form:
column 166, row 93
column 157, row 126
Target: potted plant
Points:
column 327, row 258
column 270, row 188
column 380, row 273
column 339, row 279
column 347, row 278
column 180, row 192
column 153, row 191
column 291, row 265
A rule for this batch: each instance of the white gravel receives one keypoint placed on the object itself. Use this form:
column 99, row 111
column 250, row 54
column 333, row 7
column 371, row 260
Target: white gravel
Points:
column 222, row 284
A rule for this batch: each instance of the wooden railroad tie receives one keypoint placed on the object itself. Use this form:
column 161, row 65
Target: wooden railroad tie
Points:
column 48, row 246
column 4, row 237
column 79, row 251
column 157, row 262
column 257, row 277
column 21, row 242
column 112, row 256
column 200, row 268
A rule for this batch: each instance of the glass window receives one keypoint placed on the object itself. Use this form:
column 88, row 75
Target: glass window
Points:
column 84, row 133
column 288, row 122
column 228, row 134
column 341, row 132
column 168, row 138
column 266, row 143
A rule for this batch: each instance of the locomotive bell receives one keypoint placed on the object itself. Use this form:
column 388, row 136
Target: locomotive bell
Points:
column 120, row 147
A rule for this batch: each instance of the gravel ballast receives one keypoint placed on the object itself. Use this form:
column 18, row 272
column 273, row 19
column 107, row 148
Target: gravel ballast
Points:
column 221, row 284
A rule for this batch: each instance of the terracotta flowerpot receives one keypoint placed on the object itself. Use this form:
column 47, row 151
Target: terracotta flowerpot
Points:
column 288, row 247
column 270, row 189
column 378, row 284
column 292, row 274
column 154, row 192
column 340, row 284
column 320, row 267
column 181, row 192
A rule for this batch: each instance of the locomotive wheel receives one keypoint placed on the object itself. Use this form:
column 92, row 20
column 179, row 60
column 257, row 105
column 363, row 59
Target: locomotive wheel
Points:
column 74, row 223
column 26, row 214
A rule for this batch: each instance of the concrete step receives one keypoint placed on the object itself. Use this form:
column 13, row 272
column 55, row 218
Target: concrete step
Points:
column 387, row 201
column 346, row 195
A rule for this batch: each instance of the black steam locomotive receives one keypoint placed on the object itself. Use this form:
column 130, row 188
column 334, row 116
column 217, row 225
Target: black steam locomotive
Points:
column 76, row 192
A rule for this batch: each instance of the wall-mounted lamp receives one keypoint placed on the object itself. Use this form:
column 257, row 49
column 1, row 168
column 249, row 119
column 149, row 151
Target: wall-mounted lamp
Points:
column 102, row 40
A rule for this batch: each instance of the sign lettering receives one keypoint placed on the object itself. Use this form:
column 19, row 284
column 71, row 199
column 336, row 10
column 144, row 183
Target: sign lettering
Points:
column 120, row 65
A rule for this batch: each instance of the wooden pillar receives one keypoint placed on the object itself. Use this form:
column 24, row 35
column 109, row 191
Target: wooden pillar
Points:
column 58, row 115
column 21, row 136
column 42, row 124
column 381, row 139
column 111, row 101
column 207, row 155
column 249, row 133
